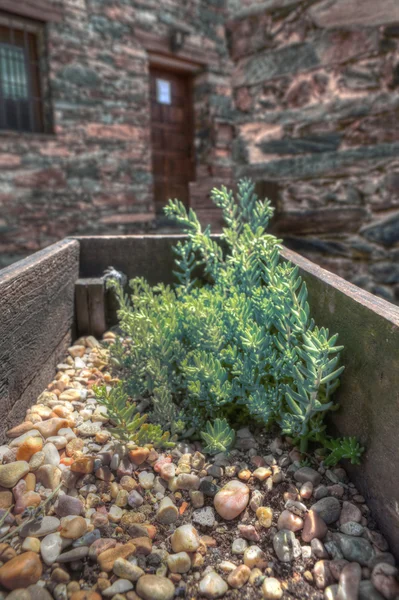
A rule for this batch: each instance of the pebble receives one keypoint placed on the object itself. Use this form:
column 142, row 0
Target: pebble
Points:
column 255, row 557
column 264, row 515
column 167, row 512
column 239, row 577
column 139, row 455
column 185, row 539
column 153, row 587
column 287, row 520
column 306, row 490
column 204, row 517
column 249, row 532
column 385, row 579
column 51, row 455
column 127, row 570
column 51, row 547
column 208, row 488
column 355, row 549
column 368, row 592
column 179, row 563
column 232, row 499
column 349, row 582
column 49, row 476
column 68, row 505
column 349, row 512
column 72, row 555
column 286, row 546
column 352, row 528
column 146, row 480
column 21, row 571
column 307, row 474
column 322, row 574
column 197, row 498
column 40, row 528
column 74, row 528
column 31, row 544
column 239, row 546
column 211, row 586
column 29, row 447
column 185, row 481
column 119, row 587
column 11, row 473
column 329, row 509
column 314, row 527
column 107, row 558
column 271, row 589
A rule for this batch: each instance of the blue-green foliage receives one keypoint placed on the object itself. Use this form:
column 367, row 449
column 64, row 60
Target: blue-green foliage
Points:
column 239, row 338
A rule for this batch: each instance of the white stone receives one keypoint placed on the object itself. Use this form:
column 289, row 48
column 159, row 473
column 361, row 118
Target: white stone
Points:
column 212, row 586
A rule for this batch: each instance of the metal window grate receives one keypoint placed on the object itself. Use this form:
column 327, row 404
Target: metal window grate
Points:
column 21, row 98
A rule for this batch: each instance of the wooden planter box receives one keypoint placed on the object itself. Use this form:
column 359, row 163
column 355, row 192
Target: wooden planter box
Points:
column 49, row 298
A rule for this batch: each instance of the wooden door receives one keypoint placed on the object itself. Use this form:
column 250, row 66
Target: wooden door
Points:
column 172, row 136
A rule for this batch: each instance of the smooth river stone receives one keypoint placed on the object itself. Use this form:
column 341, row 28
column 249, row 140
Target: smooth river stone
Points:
column 11, row 473
column 119, row 587
column 154, row 587
column 231, row 500
column 29, row 447
column 75, row 554
column 51, row 547
column 212, row 586
column 22, row 438
column 74, row 528
column 185, row 539
column 51, row 427
column 49, row 476
column 21, row 571
column 68, row 505
column 51, row 455
column 40, row 529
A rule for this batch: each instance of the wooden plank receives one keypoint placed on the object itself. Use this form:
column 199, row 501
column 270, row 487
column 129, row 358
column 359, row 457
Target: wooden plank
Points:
column 368, row 328
column 36, row 317
column 90, row 307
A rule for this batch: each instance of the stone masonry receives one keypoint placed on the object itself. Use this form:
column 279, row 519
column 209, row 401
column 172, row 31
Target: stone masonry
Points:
column 93, row 175
column 300, row 95
column 316, row 90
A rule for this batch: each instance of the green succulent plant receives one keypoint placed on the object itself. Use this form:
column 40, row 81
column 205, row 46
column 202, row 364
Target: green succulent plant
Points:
column 128, row 424
column 233, row 335
column 218, row 437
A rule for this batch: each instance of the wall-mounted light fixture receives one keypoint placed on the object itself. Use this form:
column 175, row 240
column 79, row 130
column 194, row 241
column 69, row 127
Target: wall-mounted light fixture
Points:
column 177, row 39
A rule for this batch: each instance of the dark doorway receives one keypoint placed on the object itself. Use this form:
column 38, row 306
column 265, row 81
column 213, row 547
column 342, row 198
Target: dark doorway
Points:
column 172, row 136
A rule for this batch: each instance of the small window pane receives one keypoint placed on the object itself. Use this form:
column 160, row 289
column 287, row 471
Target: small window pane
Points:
column 164, row 93
column 14, row 80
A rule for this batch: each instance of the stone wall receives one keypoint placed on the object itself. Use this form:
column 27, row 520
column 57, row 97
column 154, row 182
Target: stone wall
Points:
column 316, row 91
column 93, row 174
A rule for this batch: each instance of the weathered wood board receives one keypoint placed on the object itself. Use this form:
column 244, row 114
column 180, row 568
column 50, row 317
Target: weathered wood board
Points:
column 36, row 319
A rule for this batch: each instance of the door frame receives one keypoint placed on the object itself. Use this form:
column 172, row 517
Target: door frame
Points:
column 190, row 114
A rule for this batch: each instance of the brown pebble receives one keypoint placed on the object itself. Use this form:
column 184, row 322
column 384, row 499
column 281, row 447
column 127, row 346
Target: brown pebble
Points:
column 143, row 545
column 21, row 571
column 314, row 527
column 239, row 577
column 107, row 559
column 139, row 455
column 85, row 595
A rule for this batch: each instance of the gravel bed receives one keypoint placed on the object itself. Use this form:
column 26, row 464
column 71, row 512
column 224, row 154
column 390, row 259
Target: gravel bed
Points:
column 84, row 518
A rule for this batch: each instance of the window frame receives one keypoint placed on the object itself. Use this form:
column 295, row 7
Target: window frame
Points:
column 30, row 36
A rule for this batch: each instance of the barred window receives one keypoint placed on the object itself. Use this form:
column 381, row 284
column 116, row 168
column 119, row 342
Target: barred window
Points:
column 22, row 106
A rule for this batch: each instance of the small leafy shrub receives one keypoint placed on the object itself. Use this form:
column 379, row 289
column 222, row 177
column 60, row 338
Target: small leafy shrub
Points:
column 129, row 425
column 239, row 339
